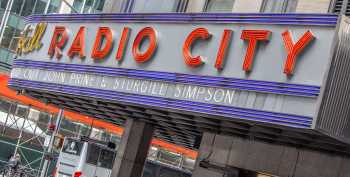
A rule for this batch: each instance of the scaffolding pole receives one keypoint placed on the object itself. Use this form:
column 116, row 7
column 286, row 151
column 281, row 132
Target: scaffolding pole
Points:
column 50, row 146
column 21, row 131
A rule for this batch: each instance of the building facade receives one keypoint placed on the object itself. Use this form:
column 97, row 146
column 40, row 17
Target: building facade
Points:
column 253, row 6
column 19, row 9
column 22, row 8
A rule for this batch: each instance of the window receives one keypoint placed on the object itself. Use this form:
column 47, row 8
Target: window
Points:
column 78, row 4
column 106, row 159
column 169, row 157
column 5, row 106
column 67, row 125
column 278, row 6
column 52, row 9
column 8, row 33
column 72, row 146
column 219, row 6
column 99, row 5
column 28, row 7
column 100, row 157
column 93, row 153
column 54, row 6
column 3, row 4
column 17, row 6
column 90, row 5
column 14, row 40
column 22, row 111
column 147, row 6
column 44, row 118
column 39, row 7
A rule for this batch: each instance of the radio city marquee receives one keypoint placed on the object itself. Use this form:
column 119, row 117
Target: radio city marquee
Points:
column 104, row 43
column 267, row 53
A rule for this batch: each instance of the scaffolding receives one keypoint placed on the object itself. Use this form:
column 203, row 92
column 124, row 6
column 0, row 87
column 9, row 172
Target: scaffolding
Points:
column 28, row 132
column 23, row 134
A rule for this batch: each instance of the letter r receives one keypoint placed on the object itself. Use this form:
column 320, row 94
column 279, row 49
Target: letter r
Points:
column 58, row 41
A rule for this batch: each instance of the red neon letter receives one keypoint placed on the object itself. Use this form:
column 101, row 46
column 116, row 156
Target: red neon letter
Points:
column 253, row 36
column 151, row 34
column 122, row 43
column 199, row 33
column 58, row 41
column 294, row 49
column 78, row 45
column 225, row 41
column 102, row 33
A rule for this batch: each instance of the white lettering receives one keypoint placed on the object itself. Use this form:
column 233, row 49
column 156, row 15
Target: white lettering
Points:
column 221, row 96
column 177, row 91
column 209, row 95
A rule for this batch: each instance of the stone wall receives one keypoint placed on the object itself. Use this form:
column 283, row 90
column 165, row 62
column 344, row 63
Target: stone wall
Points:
column 279, row 160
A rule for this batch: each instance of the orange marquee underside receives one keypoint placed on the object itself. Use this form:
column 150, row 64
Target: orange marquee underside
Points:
column 11, row 94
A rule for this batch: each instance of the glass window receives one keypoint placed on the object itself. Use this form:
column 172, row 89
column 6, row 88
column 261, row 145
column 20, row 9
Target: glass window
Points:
column 169, row 157
column 78, row 4
column 219, row 6
column 3, row 4
column 28, row 7
column 152, row 6
column 93, row 153
column 88, row 6
column 17, row 6
column 56, row 3
column 8, row 33
column 278, row 6
column 6, row 56
column 106, row 158
column 99, row 5
column 39, row 7
column 14, row 40
column 13, row 20
column 21, row 111
column 72, row 146
column 44, row 119
column 52, row 9
column 5, row 106
column 66, row 124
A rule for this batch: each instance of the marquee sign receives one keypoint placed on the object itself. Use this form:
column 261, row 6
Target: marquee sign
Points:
column 104, row 40
column 260, row 65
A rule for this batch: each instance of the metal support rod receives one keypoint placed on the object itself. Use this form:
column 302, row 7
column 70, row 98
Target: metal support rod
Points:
column 34, row 6
column 7, row 116
column 70, row 6
column 50, row 147
column 21, row 131
column 83, row 7
column 5, row 18
column 30, row 139
column 43, row 152
column 22, row 147
column 92, row 8
column 47, row 7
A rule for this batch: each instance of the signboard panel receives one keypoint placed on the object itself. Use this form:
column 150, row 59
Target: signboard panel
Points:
column 275, row 67
column 269, row 59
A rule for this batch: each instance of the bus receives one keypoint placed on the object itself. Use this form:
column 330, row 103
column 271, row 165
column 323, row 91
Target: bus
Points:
column 80, row 158
column 90, row 158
